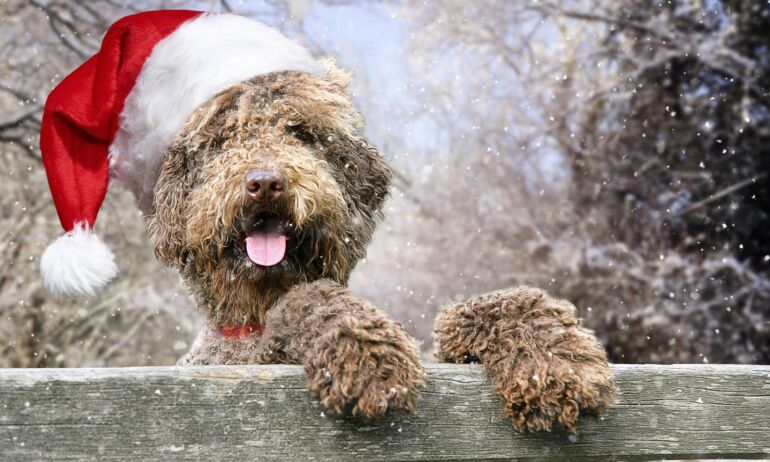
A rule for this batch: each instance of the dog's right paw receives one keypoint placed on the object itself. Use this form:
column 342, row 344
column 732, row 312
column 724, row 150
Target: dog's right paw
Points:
column 365, row 368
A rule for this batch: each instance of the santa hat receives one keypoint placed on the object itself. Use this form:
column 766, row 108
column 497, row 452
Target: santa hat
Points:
column 117, row 114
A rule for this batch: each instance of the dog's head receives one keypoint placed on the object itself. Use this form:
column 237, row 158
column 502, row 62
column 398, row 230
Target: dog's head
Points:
column 268, row 184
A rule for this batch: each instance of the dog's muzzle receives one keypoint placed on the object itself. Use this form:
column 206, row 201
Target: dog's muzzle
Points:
column 265, row 231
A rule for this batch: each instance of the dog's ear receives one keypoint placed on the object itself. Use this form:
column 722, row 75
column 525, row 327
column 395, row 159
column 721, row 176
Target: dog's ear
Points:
column 361, row 171
column 323, row 115
column 166, row 221
column 365, row 174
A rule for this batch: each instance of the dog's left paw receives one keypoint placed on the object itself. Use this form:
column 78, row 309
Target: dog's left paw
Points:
column 540, row 388
column 365, row 368
column 546, row 368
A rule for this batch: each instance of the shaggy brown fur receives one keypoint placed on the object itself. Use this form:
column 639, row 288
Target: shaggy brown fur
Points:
column 546, row 368
column 303, row 128
column 357, row 360
column 300, row 126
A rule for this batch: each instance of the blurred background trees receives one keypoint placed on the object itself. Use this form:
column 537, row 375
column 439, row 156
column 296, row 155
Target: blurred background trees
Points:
column 145, row 318
column 611, row 152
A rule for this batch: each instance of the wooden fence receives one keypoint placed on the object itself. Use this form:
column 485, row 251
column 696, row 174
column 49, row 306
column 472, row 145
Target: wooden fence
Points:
column 265, row 413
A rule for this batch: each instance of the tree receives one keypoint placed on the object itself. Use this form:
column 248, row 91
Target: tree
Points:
column 658, row 111
column 141, row 319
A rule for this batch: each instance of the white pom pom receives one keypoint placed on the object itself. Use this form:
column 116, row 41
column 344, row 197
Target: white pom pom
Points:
column 77, row 264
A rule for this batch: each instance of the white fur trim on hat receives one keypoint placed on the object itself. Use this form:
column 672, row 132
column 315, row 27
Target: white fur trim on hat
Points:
column 77, row 264
column 201, row 58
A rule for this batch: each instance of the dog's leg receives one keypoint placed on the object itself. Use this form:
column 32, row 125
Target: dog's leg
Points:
column 545, row 366
column 357, row 360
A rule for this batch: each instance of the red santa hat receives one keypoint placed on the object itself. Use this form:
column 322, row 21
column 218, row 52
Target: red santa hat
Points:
column 116, row 115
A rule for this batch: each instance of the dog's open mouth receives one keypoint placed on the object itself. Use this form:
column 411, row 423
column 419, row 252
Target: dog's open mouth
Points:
column 266, row 239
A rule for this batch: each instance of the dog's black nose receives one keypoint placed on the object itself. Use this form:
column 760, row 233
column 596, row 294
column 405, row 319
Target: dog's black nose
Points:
column 262, row 185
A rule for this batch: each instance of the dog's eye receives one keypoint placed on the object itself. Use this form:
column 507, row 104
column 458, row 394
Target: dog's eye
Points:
column 302, row 133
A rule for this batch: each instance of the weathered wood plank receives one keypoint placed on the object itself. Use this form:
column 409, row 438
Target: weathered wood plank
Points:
column 265, row 413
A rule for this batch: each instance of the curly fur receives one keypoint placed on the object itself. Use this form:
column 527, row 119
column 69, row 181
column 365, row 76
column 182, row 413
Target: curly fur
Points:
column 358, row 361
column 304, row 128
column 544, row 365
column 299, row 125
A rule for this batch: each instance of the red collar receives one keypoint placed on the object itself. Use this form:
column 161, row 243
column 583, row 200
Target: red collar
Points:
column 239, row 331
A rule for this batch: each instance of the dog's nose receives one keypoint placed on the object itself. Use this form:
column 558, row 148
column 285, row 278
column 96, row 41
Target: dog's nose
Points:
column 262, row 185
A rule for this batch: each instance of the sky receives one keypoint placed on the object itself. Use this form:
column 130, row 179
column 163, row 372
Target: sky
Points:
column 370, row 40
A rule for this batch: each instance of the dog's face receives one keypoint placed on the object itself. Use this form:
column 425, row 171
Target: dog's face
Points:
column 268, row 185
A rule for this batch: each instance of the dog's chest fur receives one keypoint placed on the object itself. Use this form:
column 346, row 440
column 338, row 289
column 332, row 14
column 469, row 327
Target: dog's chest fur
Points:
column 210, row 347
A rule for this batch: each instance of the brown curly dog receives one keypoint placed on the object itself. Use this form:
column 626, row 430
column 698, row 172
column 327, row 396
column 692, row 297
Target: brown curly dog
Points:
column 266, row 201
column 545, row 366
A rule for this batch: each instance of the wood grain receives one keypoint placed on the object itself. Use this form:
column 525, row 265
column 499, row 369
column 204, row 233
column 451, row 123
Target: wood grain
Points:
column 265, row 413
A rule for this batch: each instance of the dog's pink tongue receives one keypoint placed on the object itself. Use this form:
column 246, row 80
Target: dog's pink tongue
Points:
column 266, row 249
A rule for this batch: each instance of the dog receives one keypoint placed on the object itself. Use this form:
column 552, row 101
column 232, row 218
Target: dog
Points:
column 281, row 158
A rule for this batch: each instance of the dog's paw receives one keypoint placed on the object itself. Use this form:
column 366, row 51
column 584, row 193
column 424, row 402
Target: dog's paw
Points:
column 541, row 388
column 547, row 369
column 364, row 371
